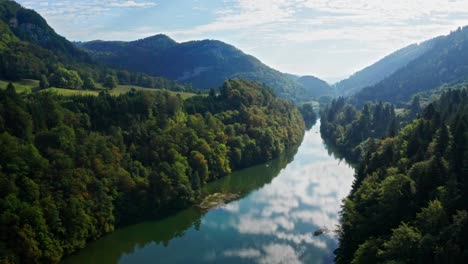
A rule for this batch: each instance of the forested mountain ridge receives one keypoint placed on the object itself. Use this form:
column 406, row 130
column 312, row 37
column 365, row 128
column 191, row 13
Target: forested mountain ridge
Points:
column 385, row 67
column 316, row 87
column 29, row 26
column 445, row 62
column 203, row 64
column 74, row 168
column 409, row 201
column 31, row 49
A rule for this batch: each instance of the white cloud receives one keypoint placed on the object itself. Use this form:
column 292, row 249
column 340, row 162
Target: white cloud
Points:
column 67, row 10
column 270, row 28
column 131, row 4
column 268, row 254
column 325, row 37
column 280, row 254
column 243, row 253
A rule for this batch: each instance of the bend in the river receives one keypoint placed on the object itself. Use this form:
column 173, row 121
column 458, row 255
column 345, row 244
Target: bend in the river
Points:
column 282, row 203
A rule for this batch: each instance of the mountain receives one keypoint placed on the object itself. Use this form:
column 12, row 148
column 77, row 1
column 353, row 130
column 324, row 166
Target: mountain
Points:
column 203, row 64
column 31, row 49
column 378, row 71
column 315, row 87
column 445, row 62
column 28, row 46
column 29, row 26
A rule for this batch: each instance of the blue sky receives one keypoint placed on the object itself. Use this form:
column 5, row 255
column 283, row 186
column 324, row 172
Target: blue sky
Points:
column 325, row 38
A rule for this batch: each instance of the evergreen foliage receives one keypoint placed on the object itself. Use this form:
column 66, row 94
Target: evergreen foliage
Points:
column 409, row 201
column 74, row 168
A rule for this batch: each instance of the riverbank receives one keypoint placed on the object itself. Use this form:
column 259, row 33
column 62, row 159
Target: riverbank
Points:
column 281, row 204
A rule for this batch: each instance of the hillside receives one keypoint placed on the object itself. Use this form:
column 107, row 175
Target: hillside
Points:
column 74, row 168
column 31, row 49
column 446, row 62
column 29, row 26
column 409, row 202
column 203, row 64
column 385, row 67
column 315, row 87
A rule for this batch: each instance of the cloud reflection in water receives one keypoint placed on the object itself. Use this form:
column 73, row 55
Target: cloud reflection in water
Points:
column 304, row 197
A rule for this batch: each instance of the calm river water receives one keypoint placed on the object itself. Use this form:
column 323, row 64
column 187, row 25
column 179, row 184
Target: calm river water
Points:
column 282, row 203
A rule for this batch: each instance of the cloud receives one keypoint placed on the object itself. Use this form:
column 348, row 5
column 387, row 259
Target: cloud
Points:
column 243, row 253
column 273, row 29
column 338, row 36
column 67, row 10
column 131, row 4
column 269, row 254
column 280, row 254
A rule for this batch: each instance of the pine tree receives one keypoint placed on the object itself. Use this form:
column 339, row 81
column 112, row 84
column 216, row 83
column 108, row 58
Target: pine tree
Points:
column 44, row 82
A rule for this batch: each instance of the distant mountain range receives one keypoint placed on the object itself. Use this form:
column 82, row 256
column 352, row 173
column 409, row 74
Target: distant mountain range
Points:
column 414, row 69
column 315, row 87
column 380, row 70
column 30, row 48
column 445, row 61
column 203, row 64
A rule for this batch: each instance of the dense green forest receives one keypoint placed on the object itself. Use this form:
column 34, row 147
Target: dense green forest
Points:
column 382, row 69
column 30, row 49
column 350, row 130
column 203, row 64
column 444, row 62
column 74, row 168
column 409, row 199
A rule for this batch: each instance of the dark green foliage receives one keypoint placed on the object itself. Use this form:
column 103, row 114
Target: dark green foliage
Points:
column 64, row 78
column 44, row 82
column 204, row 64
column 444, row 63
column 309, row 115
column 409, row 200
column 348, row 129
column 88, row 83
column 29, row 49
column 110, row 82
column 382, row 69
column 74, row 168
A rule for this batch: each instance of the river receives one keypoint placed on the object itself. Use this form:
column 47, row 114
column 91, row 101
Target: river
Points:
column 282, row 203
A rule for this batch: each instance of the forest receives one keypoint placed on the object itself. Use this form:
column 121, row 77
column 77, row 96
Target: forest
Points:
column 30, row 49
column 350, row 130
column 409, row 200
column 74, row 168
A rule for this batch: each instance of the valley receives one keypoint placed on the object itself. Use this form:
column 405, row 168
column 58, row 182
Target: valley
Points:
column 181, row 149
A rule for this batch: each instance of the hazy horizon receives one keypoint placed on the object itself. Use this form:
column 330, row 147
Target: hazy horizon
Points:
column 329, row 39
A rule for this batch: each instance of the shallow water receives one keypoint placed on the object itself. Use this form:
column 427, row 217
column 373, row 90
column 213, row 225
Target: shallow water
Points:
column 282, row 203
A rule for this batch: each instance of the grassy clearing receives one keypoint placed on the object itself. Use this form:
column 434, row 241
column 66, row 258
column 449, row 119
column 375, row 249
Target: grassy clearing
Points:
column 29, row 86
column 23, row 86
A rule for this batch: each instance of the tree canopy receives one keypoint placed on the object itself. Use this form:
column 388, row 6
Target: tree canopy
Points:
column 74, row 168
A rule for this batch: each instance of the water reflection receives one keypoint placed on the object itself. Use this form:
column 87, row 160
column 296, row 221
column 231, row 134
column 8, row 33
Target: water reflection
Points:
column 273, row 223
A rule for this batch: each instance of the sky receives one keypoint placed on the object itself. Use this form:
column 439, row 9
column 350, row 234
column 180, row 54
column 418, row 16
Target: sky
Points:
column 330, row 39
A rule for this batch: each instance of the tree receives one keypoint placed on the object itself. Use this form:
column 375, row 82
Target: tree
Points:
column 64, row 78
column 44, row 82
column 212, row 92
column 110, row 82
column 402, row 245
column 89, row 83
column 11, row 89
